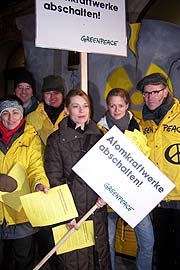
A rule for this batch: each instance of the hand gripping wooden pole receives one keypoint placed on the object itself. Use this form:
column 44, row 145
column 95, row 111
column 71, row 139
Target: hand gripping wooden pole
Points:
column 67, row 235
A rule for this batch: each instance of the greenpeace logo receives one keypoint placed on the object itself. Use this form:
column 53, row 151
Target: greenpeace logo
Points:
column 167, row 128
column 101, row 41
column 117, row 196
column 171, row 128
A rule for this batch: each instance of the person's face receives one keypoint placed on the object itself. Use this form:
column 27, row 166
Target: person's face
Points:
column 53, row 98
column 117, row 107
column 24, row 91
column 78, row 110
column 154, row 95
column 11, row 118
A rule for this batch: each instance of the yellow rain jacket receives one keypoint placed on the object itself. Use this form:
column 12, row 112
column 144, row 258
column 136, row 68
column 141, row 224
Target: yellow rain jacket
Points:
column 28, row 150
column 164, row 141
column 41, row 122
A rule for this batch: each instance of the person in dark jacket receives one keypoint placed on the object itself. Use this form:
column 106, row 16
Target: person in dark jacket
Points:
column 118, row 114
column 76, row 135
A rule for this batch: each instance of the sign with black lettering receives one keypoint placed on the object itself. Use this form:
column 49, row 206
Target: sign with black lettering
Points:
column 123, row 176
column 93, row 26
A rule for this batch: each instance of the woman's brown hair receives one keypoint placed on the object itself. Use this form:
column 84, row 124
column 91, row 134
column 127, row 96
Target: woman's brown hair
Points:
column 119, row 92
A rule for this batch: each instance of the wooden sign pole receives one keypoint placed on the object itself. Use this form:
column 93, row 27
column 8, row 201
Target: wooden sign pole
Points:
column 61, row 241
column 84, row 71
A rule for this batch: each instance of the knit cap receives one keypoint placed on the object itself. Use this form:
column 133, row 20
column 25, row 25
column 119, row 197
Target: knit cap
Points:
column 24, row 76
column 7, row 104
column 53, row 82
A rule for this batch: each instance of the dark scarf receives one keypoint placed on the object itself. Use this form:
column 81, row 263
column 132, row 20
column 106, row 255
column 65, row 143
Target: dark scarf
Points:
column 158, row 114
column 7, row 134
column 32, row 105
column 53, row 112
column 72, row 125
column 122, row 123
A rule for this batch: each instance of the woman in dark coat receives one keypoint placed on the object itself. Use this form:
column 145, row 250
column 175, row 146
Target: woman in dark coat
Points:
column 76, row 135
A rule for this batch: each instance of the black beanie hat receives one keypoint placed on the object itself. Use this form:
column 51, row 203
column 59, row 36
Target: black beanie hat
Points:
column 24, row 76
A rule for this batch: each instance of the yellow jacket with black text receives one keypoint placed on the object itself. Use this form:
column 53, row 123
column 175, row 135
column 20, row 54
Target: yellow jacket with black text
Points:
column 164, row 141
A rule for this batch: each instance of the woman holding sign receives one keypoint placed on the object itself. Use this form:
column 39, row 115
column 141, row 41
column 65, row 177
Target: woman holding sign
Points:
column 20, row 149
column 118, row 114
column 76, row 135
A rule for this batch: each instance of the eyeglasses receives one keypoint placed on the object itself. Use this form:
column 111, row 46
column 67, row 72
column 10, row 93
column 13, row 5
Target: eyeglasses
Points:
column 152, row 93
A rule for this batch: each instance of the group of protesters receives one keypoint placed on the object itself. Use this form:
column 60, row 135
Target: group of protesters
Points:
column 48, row 137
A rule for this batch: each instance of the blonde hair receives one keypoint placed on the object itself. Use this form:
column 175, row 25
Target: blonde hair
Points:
column 77, row 92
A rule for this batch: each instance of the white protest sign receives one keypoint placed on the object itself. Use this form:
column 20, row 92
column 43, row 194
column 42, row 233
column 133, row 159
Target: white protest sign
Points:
column 123, row 176
column 93, row 26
